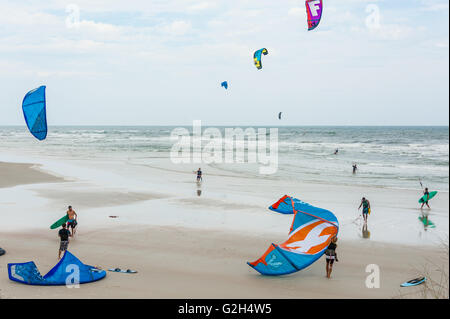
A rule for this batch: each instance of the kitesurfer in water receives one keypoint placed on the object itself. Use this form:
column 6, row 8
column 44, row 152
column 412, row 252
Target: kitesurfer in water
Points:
column 336, row 151
column 366, row 208
column 354, row 168
column 331, row 255
column 64, row 235
column 72, row 221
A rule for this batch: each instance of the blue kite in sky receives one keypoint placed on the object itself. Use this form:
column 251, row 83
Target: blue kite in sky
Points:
column 257, row 57
column 224, row 84
column 34, row 111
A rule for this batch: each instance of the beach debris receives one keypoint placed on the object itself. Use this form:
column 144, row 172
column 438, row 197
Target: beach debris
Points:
column 310, row 234
column 61, row 274
column 257, row 57
column 414, row 282
column 34, row 111
column 314, row 13
column 128, row 271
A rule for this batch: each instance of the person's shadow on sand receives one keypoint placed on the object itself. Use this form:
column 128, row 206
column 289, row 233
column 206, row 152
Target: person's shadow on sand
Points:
column 199, row 189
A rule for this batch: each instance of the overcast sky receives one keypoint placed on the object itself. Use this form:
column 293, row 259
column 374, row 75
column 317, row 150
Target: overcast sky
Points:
column 154, row 62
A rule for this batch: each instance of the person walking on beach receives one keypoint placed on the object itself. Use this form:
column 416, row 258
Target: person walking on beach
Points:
column 366, row 208
column 354, row 168
column 331, row 255
column 72, row 221
column 64, row 235
column 427, row 194
column 199, row 175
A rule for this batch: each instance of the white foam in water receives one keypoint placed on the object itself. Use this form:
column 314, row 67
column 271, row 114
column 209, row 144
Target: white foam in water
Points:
column 386, row 156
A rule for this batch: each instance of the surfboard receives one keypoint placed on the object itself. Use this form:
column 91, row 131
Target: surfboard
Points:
column 2, row 252
column 59, row 222
column 128, row 271
column 414, row 282
column 427, row 223
column 423, row 199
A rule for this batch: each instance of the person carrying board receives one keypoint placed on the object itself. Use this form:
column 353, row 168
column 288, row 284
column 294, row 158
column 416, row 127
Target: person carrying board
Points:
column 366, row 208
column 427, row 198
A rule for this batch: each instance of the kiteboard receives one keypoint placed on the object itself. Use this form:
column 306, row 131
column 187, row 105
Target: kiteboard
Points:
column 128, row 271
column 59, row 222
column 414, row 282
column 426, row 222
column 423, row 199
column 2, row 252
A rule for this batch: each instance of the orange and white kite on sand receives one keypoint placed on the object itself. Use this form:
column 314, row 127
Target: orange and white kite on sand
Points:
column 311, row 232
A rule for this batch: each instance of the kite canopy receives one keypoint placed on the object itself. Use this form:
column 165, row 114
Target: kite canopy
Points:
column 311, row 232
column 68, row 268
column 314, row 12
column 33, row 107
column 224, row 84
column 279, row 115
column 257, row 57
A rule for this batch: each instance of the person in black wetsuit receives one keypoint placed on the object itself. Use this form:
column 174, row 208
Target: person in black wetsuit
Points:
column 199, row 175
column 427, row 193
column 331, row 256
column 354, row 168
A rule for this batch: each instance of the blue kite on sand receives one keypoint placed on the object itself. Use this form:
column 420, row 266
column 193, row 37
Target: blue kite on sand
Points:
column 69, row 270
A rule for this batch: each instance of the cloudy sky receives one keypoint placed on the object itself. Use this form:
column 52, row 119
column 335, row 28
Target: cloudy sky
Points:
column 155, row 62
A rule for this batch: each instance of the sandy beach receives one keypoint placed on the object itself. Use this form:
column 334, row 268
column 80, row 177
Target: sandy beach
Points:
column 225, row 150
column 12, row 174
column 189, row 246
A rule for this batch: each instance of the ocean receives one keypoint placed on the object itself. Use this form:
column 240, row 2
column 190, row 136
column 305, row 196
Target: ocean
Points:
column 392, row 157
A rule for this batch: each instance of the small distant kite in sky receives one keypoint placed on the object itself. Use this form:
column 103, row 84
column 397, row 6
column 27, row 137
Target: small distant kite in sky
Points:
column 279, row 115
column 257, row 57
column 314, row 12
column 224, row 84
column 33, row 107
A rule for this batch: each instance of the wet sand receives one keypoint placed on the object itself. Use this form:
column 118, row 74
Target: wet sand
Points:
column 186, row 246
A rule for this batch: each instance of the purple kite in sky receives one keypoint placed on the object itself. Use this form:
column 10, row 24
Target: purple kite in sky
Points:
column 314, row 12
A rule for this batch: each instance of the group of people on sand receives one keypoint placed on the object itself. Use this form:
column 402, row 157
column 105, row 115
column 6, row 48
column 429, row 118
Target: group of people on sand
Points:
column 67, row 230
column 330, row 252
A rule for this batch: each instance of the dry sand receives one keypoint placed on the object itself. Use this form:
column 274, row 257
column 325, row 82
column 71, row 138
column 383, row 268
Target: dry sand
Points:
column 189, row 263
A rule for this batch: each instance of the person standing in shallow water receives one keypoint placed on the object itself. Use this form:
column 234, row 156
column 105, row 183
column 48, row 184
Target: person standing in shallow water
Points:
column 331, row 256
column 366, row 208
column 199, row 175
column 354, row 168
column 427, row 194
